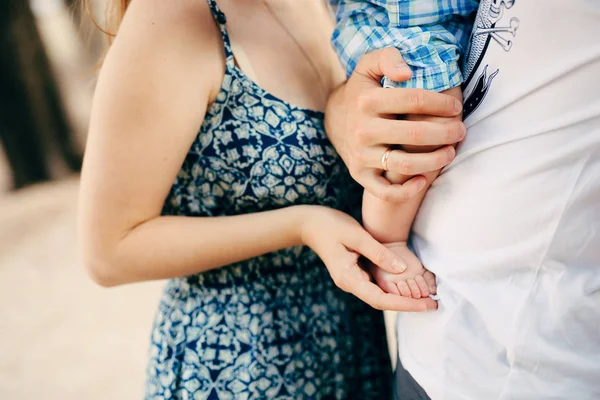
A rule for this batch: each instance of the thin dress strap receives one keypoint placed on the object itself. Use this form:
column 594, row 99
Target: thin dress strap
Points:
column 221, row 20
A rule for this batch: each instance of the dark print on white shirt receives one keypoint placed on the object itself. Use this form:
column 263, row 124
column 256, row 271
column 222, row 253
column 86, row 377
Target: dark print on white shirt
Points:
column 489, row 25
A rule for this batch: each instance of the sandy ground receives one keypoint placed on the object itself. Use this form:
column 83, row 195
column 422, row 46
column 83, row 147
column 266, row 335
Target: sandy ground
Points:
column 61, row 336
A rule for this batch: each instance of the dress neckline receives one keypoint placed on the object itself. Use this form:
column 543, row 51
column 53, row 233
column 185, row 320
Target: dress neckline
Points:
column 232, row 68
column 256, row 86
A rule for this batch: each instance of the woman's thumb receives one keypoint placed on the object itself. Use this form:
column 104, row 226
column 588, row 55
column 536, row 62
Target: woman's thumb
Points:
column 385, row 62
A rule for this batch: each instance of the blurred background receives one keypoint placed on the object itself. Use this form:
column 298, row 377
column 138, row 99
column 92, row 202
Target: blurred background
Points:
column 61, row 336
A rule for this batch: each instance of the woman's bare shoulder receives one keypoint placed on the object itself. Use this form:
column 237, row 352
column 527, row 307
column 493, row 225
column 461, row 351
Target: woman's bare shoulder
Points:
column 178, row 28
column 173, row 16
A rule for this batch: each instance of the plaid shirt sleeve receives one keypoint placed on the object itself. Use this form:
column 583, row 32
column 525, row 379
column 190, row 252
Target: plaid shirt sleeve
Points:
column 431, row 35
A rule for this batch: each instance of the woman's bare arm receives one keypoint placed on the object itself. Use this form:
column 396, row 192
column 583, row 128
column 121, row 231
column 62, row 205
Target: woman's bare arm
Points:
column 164, row 68
column 152, row 94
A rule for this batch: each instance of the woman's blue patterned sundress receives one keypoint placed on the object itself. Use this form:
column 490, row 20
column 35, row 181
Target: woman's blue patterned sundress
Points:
column 275, row 326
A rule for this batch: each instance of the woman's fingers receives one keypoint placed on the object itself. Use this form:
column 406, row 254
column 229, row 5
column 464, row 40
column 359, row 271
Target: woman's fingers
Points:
column 381, row 188
column 404, row 163
column 410, row 101
column 386, row 62
column 360, row 119
column 400, row 162
column 417, row 133
column 363, row 243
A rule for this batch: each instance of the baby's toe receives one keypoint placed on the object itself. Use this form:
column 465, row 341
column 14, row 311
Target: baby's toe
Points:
column 404, row 289
column 430, row 279
column 389, row 287
column 423, row 287
column 414, row 288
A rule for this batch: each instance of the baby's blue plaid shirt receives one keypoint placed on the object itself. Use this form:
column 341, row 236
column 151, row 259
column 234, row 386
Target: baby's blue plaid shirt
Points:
column 431, row 35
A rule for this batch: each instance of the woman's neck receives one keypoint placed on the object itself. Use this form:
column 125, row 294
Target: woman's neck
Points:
column 285, row 47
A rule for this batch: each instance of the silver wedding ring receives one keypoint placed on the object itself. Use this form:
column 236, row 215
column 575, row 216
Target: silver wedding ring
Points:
column 384, row 159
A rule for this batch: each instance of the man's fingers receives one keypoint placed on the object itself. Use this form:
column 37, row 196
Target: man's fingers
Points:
column 362, row 243
column 403, row 163
column 377, row 298
column 386, row 62
column 413, row 101
column 418, row 133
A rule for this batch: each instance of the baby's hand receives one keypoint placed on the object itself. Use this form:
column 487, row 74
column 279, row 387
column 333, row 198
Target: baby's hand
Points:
column 415, row 282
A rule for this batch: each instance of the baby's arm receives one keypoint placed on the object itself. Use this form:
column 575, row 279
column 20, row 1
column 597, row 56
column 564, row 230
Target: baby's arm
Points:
column 431, row 35
column 391, row 222
column 431, row 38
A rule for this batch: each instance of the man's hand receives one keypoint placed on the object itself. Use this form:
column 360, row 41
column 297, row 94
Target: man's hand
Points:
column 361, row 122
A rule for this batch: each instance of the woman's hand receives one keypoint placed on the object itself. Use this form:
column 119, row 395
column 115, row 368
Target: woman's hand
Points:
column 361, row 122
column 339, row 240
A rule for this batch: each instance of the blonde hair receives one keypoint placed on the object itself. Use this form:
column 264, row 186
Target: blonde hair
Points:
column 115, row 11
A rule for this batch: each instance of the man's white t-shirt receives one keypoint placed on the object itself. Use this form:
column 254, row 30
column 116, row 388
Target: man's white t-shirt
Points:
column 512, row 227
